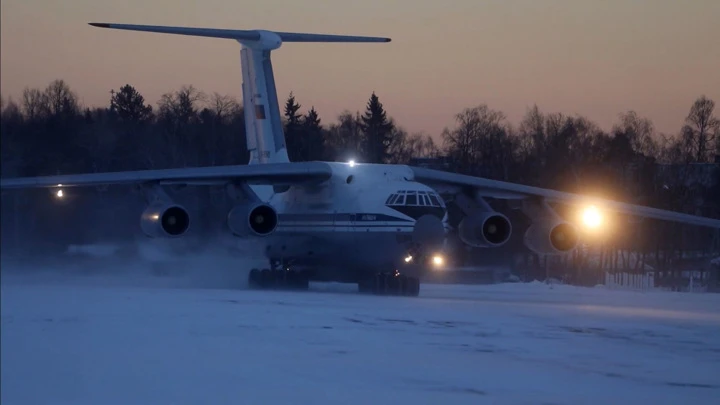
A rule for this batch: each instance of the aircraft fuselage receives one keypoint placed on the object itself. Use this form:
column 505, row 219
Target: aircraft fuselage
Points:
column 363, row 220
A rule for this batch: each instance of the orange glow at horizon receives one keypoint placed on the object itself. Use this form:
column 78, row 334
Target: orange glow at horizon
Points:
column 597, row 59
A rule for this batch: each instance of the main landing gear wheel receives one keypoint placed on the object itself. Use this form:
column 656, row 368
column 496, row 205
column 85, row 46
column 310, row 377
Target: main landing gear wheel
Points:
column 391, row 284
column 267, row 279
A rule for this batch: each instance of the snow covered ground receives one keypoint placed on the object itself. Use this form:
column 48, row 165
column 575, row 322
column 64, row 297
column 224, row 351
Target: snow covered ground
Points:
column 124, row 338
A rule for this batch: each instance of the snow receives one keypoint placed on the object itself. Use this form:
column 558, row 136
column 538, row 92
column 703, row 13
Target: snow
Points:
column 108, row 338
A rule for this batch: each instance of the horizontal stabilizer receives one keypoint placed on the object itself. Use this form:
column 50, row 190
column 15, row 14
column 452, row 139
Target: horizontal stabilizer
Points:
column 241, row 35
column 299, row 37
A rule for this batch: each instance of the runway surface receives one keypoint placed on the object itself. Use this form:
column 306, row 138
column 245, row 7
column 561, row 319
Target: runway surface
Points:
column 96, row 340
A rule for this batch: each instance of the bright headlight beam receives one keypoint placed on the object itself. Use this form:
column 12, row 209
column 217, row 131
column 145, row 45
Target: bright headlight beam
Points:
column 591, row 217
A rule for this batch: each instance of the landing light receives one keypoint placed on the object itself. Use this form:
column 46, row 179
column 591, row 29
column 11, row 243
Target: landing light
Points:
column 408, row 259
column 351, row 163
column 60, row 194
column 438, row 260
column 592, row 218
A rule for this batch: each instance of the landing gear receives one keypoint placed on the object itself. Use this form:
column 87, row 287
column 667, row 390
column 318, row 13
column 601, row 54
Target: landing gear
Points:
column 391, row 284
column 267, row 279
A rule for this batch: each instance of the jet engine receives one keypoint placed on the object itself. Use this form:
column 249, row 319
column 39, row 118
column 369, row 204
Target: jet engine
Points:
column 164, row 221
column 488, row 229
column 551, row 237
column 255, row 219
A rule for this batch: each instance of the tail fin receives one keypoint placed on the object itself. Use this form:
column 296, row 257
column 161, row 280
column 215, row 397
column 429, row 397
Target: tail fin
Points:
column 263, row 126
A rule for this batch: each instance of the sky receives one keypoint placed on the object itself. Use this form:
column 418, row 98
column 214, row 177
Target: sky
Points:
column 588, row 57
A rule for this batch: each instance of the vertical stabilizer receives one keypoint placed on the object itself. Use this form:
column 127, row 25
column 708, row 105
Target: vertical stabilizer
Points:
column 263, row 126
column 265, row 136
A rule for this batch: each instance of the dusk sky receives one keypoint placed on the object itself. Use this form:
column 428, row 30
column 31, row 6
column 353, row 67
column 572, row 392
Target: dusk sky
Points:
column 590, row 57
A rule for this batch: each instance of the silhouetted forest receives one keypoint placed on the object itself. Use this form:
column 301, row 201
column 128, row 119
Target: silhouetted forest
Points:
column 47, row 131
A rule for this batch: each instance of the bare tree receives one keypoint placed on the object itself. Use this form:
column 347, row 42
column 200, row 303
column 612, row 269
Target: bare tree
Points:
column 482, row 143
column 701, row 128
column 61, row 100
column 35, row 104
column 531, row 133
column 177, row 112
column 217, row 119
column 640, row 132
column 224, row 107
column 181, row 107
column 407, row 146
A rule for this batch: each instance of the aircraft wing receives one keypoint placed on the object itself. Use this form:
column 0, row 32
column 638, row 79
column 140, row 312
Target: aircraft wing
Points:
column 504, row 190
column 265, row 174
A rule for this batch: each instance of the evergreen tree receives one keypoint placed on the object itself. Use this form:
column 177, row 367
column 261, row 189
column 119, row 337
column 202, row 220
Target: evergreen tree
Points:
column 129, row 105
column 378, row 131
column 292, row 114
column 294, row 133
column 314, row 133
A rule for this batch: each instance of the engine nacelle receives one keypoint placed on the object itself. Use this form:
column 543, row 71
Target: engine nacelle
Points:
column 489, row 229
column 551, row 237
column 255, row 219
column 164, row 221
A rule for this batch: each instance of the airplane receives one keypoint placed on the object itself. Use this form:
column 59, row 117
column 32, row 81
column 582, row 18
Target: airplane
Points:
column 370, row 224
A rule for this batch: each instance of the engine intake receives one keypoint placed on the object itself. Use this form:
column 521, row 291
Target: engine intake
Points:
column 551, row 237
column 489, row 229
column 164, row 221
column 256, row 219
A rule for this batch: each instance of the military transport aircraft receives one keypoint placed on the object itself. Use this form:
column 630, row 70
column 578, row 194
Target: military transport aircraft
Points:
column 341, row 221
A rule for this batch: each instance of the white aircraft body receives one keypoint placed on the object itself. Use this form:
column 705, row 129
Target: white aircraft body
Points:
column 347, row 222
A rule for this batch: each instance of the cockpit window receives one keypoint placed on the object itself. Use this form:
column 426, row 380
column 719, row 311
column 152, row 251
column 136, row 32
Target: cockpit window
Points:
column 414, row 198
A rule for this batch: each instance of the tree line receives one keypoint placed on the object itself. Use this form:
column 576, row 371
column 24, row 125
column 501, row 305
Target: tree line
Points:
column 48, row 131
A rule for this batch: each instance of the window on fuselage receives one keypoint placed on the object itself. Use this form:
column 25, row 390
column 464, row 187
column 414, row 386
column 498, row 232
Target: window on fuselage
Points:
column 411, row 199
column 435, row 200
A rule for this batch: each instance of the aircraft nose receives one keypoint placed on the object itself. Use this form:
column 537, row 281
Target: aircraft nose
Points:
column 429, row 231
